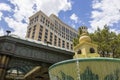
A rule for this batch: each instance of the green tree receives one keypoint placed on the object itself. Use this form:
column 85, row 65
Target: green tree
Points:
column 115, row 46
column 108, row 42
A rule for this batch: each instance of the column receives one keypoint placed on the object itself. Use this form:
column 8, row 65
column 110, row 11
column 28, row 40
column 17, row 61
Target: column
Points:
column 3, row 66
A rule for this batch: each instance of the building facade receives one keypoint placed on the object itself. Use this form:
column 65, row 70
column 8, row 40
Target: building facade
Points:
column 51, row 30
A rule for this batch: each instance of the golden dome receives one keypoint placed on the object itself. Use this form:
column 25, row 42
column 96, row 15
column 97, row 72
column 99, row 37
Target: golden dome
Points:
column 84, row 38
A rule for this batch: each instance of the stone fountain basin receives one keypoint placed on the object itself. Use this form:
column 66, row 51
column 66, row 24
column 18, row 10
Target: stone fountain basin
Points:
column 86, row 69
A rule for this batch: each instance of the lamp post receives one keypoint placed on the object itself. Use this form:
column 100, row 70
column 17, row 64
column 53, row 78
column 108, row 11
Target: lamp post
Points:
column 8, row 32
column 48, row 42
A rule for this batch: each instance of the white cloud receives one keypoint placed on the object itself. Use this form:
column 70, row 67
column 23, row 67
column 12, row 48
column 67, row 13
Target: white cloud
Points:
column 105, row 12
column 25, row 8
column 0, row 15
column 90, row 30
column 5, row 7
column 53, row 6
column 74, row 17
column 19, row 27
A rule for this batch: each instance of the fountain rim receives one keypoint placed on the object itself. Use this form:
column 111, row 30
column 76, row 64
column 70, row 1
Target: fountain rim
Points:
column 84, row 59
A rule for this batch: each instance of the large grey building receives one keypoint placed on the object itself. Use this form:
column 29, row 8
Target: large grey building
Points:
column 51, row 29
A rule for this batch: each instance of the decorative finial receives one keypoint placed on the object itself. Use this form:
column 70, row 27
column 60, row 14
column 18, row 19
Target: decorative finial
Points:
column 84, row 29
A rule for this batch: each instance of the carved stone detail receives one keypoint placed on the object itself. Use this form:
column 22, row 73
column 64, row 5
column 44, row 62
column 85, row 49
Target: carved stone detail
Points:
column 8, row 47
column 38, row 54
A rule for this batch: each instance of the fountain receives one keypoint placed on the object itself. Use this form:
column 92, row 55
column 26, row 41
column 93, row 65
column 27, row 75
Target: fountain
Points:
column 87, row 64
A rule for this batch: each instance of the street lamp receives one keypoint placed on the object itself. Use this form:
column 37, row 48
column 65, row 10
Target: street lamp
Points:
column 8, row 32
column 48, row 43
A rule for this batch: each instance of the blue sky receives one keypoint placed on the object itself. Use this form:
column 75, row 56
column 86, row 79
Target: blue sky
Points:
column 14, row 14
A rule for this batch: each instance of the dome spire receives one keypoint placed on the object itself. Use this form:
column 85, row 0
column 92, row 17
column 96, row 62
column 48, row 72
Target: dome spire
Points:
column 84, row 36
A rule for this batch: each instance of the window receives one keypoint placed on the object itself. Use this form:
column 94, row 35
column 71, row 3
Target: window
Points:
column 41, row 26
column 36, row 18
column 46, row 32
column 39, row 39
column 56, row 24
column 46, row 35
column 33, row 37
column 33, row 33
column 63, row 44
column 71, row 46
column 41, row 29
column 47, row 23
column 63, row 28
column 51, row 37
column 40, row 33
column 55, row 40
column 45, row 40
column 34, row 28
column 92, row 50
column 40, row 36
column 79, row 52
column 31, row 21
column 59, row 42
column 29, row 31
column 67, row 45
column 51, row 34
column 42, row 19
column 51, row 26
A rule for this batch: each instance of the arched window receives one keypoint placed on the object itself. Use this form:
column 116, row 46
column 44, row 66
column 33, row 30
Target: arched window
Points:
column 79, row 51
column 92, row 50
